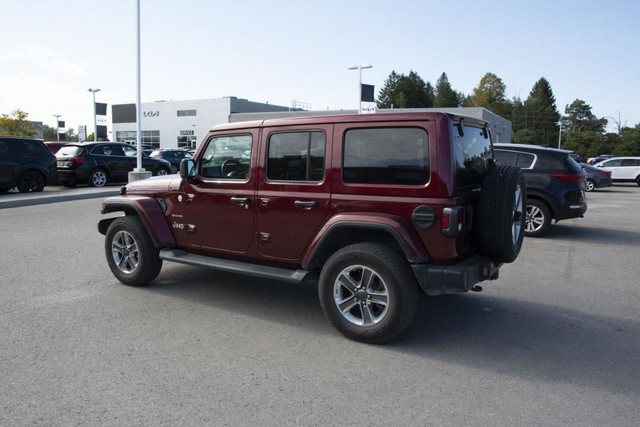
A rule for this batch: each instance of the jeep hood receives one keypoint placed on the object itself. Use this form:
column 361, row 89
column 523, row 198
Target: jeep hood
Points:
column 153, row 184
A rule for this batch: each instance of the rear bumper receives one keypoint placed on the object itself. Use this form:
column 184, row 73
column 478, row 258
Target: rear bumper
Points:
column 71, row 175
column 439, row 280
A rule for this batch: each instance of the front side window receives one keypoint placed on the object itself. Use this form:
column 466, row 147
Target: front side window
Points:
column 227, row 157
column 296, row 156
column 394, row 156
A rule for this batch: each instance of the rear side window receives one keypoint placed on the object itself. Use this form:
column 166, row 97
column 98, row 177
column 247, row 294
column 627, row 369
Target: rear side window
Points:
column 296, row 156
column 471, row 150
column 518, row 158
column 628, row 162
column 395, row 156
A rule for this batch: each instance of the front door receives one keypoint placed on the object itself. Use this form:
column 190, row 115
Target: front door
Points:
column 220, row 201
column 294, row 191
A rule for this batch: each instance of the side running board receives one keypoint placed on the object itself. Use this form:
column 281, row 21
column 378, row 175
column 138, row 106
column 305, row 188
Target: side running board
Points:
column 265, row 272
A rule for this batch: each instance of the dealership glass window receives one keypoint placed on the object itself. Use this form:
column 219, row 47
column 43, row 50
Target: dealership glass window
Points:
column 227, row 157
column 296, row 156
column 397, row 156
column 150, row 137
column 186, row 113
column 187, row 141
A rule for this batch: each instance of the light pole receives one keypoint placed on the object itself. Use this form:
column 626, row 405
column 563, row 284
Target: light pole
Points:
column 95, row 122
column 57, row 126
column 360, row 68
column 560, row 134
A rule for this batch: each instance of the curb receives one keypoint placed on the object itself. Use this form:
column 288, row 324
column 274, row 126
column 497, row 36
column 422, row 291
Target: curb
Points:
column 31, row 199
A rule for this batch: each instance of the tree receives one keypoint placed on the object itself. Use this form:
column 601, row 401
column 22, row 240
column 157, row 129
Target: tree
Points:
column 579, row 118
column 445, row 95
column 539, row 114
column 387, row 93
column 16, row 124
column 490, row 94
column 49, row 133
column 583, row 131
column 629, row 144
column 400, row 91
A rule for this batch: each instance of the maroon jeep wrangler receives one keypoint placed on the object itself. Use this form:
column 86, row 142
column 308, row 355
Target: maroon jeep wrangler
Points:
column 376, row 208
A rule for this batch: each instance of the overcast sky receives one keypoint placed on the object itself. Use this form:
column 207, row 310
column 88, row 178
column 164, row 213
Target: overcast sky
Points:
column 273, row 51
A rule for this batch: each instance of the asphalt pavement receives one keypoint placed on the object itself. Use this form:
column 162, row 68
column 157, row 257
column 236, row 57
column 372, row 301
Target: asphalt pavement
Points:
column 56, row 193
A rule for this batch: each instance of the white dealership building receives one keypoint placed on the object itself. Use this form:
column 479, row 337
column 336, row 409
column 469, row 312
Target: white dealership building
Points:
column 171, row 124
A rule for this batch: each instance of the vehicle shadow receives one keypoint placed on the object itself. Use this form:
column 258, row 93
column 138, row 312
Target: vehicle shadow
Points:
column 528, row 340
column 511, row 337
column 581, row 234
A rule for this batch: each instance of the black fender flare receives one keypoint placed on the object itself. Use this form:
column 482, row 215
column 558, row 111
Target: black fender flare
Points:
column 147, row 209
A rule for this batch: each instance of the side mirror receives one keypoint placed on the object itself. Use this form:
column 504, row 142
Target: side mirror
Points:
column 187, row 168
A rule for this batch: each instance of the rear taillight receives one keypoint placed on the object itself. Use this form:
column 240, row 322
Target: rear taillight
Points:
column 77, row 160
column 453, row 220
column 571, row 177
column 604, row 173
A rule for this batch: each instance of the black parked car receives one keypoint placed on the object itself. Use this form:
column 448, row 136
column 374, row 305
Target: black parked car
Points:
column 172, row 155
column 555, row 184
column 25, row 163
column 596, row 177
column 98, row 163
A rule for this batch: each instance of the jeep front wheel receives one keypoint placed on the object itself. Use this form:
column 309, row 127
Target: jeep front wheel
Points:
column 131, row 254
column 368, row 292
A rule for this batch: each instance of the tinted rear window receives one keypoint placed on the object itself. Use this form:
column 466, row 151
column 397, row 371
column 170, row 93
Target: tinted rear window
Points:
column 471, row 152
column 397, row 156
column 69, row 151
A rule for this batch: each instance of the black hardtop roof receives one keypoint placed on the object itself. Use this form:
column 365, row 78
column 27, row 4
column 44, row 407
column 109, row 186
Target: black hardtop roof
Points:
column 348, row 118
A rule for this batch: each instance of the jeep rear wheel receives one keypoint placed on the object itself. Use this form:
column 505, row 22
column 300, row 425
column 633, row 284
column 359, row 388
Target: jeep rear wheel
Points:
column 368, row 292
column 131, row 254
column 501, row 213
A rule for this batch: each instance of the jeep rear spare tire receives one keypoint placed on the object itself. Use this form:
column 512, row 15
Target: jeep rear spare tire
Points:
column 368, row 292
column 501, row 213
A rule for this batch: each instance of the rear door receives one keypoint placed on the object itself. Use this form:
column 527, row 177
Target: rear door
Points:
column 294, row 192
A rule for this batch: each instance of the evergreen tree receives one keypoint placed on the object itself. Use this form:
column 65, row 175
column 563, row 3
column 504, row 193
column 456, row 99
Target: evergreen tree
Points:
column 541, row 114
column 579, row 118
column 445, row 95
column 386, row 95
column 400, row 91
column 583, row 132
